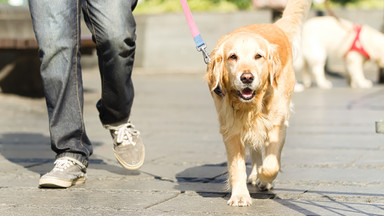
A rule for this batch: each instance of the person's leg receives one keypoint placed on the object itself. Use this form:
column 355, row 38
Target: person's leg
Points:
column 57, row 28
column 113, row 28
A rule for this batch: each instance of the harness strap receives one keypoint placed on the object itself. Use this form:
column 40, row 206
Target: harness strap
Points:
column 200, row 45
column 357, row 45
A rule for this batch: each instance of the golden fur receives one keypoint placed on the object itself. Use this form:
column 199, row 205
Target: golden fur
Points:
column 251, row 79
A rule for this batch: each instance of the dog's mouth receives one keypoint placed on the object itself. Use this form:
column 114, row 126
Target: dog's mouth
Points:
column 246, row 94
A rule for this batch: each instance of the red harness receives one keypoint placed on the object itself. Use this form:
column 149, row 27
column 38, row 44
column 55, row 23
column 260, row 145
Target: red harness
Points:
column 357, row 45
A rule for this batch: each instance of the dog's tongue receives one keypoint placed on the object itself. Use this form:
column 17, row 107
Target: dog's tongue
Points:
column 247, row 92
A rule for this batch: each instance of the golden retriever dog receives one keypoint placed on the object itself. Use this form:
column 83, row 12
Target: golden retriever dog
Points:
column 251, row 78
column 328, row 37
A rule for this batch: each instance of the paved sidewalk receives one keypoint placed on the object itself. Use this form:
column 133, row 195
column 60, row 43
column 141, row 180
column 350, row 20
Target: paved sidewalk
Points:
column 333, row 161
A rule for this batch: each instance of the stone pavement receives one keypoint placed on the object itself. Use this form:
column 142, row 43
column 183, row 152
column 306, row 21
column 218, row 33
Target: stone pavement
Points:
column 332, row 164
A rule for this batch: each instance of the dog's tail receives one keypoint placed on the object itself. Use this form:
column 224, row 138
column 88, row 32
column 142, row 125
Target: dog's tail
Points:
column 292, row 21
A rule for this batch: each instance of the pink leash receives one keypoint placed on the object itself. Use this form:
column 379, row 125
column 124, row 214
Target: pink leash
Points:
column 200, row 45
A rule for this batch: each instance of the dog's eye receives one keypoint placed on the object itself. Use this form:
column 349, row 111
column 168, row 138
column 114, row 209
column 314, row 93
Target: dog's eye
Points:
column 233, row 57
column 258, row 56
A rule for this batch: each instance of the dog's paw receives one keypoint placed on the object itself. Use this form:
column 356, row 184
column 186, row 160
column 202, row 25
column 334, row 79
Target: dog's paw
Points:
column 252, row 179
column 240, row 200
column 325, row 84
column 264, row 186
column 362, row 84
column 299, row 87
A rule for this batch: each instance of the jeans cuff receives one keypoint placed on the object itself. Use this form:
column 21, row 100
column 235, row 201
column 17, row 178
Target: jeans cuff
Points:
column 75, row 156
column 108, row 126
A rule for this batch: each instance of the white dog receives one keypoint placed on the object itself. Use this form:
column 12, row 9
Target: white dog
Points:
column 329, row 37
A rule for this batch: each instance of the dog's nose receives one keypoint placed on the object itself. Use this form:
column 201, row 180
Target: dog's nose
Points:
column 246, row 78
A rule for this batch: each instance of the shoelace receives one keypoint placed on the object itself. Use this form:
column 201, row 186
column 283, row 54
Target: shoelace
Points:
column 61, row 165
column 125, row 134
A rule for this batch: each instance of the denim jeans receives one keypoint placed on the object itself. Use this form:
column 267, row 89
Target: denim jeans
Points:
column 56, row 25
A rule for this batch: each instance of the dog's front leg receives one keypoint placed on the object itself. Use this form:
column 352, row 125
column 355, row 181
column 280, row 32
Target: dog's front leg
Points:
column 237, row 173
column 257, row 161
column 271, row 163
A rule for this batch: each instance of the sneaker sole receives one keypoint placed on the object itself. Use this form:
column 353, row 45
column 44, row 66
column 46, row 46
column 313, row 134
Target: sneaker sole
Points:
column 130, row 166
column 60, row 183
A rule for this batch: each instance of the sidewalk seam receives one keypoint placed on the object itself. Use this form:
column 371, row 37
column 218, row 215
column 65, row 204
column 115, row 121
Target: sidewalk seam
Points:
column 163, row 201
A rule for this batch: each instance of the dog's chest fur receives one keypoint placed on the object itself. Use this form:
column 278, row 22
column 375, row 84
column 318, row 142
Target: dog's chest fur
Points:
column 248, row 122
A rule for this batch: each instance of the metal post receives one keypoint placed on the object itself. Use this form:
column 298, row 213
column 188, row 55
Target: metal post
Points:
column 380, row 127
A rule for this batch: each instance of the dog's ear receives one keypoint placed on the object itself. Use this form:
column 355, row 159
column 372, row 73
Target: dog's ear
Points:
column 274, row 64
column 215, row 72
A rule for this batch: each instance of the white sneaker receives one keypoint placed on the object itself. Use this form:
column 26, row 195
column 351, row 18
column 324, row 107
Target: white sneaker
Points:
column 67, row 172
column 128, row 146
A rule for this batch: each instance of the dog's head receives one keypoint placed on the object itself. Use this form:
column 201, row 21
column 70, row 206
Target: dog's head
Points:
column 242, row 64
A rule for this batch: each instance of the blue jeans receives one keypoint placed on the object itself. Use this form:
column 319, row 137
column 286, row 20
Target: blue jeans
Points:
column 56, row 25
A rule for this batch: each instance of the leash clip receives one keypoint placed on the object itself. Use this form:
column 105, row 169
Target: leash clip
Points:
column 200, row 45
column 201, row 49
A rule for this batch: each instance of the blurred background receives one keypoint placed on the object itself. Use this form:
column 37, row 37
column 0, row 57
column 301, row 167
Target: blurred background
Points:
column 164, row 43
